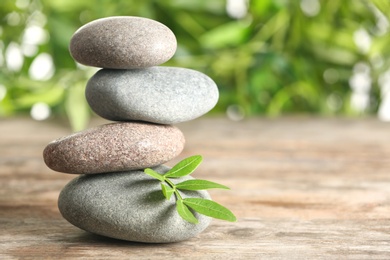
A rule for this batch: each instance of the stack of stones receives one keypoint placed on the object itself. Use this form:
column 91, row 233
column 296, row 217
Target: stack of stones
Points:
column 113, row 196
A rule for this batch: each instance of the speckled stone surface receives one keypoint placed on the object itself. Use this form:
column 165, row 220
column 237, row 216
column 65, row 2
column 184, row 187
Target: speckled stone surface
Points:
column 164, row 95
column 123, row 42
column 128, row 206
column 114, row 147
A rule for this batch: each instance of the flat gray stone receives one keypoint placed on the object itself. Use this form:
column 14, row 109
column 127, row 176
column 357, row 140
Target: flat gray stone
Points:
column 123, row 42
column 114, row 147
column 128, row 206
column 164, row 95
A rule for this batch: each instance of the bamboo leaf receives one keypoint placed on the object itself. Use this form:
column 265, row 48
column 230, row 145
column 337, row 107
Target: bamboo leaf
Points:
column 184, row 167
column 167, row 191
column 185, row 213
column 50, row 96
column 199, row 185
column 77, row 108
column 210, row 208
column 154, row 174
column 228, row 34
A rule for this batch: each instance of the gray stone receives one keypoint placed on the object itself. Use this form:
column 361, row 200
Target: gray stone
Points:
column 123, row 42
column 128, row 206
column 114, row 147
column 164, row 95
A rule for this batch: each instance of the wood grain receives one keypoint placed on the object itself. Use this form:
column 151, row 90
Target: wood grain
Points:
column 302, row 188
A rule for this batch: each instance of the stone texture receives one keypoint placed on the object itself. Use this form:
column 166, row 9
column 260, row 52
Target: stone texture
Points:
column 114, row 147
column 123, row 42
column 128, row 206
column 164, row 95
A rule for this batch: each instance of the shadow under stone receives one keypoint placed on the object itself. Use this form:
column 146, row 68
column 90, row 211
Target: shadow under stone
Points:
column 85, row 238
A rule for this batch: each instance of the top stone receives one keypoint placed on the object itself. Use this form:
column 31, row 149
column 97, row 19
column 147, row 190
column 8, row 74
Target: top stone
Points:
column 123, row 42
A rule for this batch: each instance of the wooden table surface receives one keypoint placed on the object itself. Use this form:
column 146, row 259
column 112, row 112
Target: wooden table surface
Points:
column 302, row 188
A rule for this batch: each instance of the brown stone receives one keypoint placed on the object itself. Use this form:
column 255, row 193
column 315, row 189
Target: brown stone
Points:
column 114, row 147
column 123, row 42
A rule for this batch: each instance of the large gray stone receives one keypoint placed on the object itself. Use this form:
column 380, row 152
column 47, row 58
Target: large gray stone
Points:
column 164, row 95
column 123, row 42
column 114, row 147
column 128, row 206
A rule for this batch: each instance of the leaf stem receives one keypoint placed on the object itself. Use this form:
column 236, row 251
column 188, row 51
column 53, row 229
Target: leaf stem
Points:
column 173, row 186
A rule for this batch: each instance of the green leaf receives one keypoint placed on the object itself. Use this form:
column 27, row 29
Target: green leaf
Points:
column 77, row 107
column 199, row 185
column 185, row 213
column 184, row 167
column 167, row 191
column 186, row 206
column 228, row 34
column 50, row 96
column 154, row 174
column 210, row 208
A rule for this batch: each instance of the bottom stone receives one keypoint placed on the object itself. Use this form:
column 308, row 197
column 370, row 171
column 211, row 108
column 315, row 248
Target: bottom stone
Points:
column 128, row 206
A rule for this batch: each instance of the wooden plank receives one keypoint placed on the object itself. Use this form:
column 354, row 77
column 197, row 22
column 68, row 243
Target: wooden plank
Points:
column 301, row 188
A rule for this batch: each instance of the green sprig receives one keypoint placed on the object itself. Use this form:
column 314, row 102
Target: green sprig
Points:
column 185, row 205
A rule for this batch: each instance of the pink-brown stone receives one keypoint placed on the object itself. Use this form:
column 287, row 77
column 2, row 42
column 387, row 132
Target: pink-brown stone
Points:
column 114, row 147
column 123, row 42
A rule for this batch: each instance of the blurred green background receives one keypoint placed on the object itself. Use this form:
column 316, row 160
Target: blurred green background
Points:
column 268, row 57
